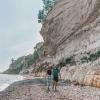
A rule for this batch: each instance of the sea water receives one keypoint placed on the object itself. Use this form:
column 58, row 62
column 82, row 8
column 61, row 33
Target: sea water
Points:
column 6, row 80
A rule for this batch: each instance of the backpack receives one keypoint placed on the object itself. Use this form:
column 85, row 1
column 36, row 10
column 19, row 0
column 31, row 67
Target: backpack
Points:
column 49, row 72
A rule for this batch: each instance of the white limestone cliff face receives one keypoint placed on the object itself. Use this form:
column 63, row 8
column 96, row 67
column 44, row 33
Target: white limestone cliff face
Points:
column 72, row 27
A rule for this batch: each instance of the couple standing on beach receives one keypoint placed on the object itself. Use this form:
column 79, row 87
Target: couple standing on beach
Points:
column 52, row 76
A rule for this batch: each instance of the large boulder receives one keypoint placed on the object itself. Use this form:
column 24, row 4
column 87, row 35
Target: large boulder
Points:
column 92, row 78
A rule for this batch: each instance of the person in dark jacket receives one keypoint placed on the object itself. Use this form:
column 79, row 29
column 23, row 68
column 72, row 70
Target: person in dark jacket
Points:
column 55, row 75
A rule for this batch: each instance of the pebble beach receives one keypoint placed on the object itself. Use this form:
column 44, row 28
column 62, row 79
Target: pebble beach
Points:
column 35, row 89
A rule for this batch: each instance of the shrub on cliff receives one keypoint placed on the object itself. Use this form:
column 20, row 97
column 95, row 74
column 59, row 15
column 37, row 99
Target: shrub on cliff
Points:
column 91, row 57
column 47, row 6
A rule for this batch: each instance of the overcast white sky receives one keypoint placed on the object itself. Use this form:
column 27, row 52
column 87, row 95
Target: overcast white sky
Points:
column 19, row 29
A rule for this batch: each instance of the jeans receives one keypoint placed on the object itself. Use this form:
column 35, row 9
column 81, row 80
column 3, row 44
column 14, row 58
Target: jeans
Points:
column 49, row 80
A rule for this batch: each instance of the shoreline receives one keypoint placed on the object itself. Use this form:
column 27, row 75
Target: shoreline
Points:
column 5, row 84
column 16, row 86
column 23, row 79
column 35, row 89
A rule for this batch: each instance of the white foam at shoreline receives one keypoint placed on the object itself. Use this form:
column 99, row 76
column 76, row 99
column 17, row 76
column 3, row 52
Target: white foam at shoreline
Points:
column 3, row 86
column 6, row 80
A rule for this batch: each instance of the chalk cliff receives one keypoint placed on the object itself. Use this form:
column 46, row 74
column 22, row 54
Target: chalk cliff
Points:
column 72, row 27
column 72, row 30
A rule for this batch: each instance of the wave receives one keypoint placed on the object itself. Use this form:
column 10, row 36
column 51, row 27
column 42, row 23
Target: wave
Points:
column 3, row 86
column 6, row 80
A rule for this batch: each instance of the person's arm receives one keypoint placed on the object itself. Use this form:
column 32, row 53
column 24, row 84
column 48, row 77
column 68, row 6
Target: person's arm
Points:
column 46, row 73
column 59, row 74
column 45, row 76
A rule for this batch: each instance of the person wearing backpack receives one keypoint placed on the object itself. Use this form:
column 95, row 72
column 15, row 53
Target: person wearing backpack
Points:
column 49, row 77
column 56, row 75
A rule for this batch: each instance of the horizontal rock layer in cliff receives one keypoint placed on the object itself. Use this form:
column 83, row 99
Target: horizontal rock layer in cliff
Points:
column 72, row 27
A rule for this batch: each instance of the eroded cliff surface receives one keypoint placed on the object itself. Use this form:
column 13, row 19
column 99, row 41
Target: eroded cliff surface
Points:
column 72, row 27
